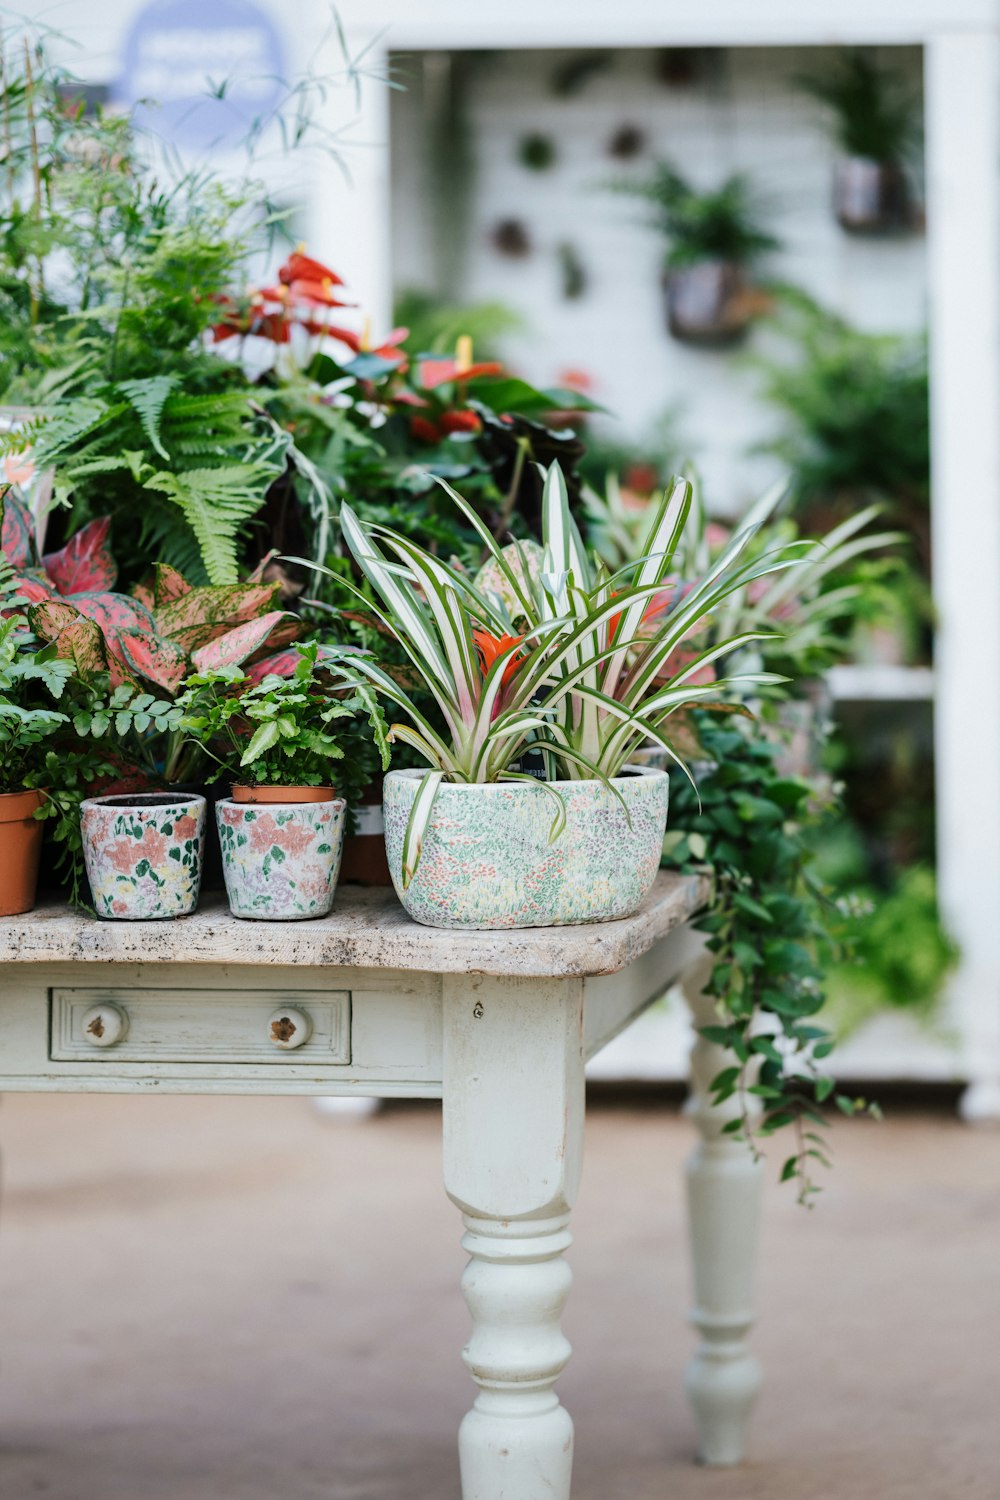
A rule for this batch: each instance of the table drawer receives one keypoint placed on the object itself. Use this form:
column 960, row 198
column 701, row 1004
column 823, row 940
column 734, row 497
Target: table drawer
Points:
column 200, row 1026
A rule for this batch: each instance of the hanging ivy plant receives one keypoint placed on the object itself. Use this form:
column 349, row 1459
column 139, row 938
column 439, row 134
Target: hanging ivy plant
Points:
column 770, row 928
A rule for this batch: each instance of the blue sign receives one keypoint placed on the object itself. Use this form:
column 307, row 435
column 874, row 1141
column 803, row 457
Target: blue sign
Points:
column 200, row 72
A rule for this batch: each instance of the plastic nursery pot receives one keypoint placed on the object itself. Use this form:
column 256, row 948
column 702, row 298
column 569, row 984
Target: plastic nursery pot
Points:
column 870, row 197
column 144, row 853
column 20, row 847
column 487, row 861
column 364, row 861
column 707, row 303
column 283, row 794
column 281, row 860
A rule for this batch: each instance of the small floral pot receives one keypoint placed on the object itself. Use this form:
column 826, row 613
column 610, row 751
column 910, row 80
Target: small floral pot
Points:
column 281, row 860
column 20, row 847
column 144, row 853
column 487, row 861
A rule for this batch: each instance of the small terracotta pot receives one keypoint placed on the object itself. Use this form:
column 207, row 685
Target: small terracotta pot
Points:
column 20, row 847
column 281, row 861
column 283, row 794
column 144, row 853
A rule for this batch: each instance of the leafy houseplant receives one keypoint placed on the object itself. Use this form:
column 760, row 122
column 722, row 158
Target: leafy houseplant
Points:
column 31, row 684
column 547, row 675
column 282, row 831
column 714, row 238
column 874, row 119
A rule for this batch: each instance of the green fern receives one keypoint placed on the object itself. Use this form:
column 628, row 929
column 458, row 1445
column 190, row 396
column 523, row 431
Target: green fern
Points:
column 148, row 398
column 216, row 503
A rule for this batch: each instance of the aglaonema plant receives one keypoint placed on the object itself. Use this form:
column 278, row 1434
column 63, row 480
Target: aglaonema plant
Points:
column 559, row 658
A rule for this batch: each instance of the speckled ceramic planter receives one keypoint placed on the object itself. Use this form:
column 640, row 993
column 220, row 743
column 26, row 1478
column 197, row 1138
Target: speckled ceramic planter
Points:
column 487, row 861
column 144, row 854
column 281, row 860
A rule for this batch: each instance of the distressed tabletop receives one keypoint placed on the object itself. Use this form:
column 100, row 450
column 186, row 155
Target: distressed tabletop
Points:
column 367, row 929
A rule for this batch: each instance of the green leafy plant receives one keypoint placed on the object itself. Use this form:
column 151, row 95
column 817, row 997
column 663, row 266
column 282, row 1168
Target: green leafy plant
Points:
column 770, row 929
column 722, row 224
column 32, row 683
column 304, row 729
column 856, row 419
column 545, row 650
column 875, row 115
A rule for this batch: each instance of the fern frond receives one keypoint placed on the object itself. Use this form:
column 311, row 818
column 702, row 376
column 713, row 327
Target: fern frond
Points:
column 216, row 503
column 147, row 399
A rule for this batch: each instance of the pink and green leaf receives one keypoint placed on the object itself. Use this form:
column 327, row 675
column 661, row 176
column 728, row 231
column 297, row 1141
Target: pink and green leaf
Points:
column 85, row 563
column 17, row 535
column 237, row 645
column 154, row 657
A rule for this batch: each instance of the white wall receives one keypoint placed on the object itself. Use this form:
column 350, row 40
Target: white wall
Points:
column 750, row 118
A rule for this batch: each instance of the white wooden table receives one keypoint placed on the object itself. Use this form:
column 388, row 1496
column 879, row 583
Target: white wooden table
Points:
column 498, row 1025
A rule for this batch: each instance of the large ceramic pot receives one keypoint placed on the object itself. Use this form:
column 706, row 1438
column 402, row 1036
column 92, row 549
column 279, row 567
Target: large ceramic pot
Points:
column 708, row 302
column 281, row 859
column 144, row 853
column 870, row 197
column 20, row 847
column 487, row 861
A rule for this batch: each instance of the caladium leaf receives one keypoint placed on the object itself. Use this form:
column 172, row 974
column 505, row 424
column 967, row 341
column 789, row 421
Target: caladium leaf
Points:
column 85, row 563
column 169, row 585
column 283, row 663
column 201, row 615
column 236, row 645
column 35, row 587
column 17, row 536
column 155, row 658
column 76, row 638
column 114, row 613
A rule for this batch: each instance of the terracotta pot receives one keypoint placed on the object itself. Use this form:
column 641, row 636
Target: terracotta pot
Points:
column 283, row 794
column 707, row 303
column 488, row 862
column 281, row 860
column 365, row 861
column 870, row 197
column 20, row 847
column 144, row 853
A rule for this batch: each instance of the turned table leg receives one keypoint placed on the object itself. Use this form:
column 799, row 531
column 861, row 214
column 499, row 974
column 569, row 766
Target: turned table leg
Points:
column 513, row 1143
column 724, row 1188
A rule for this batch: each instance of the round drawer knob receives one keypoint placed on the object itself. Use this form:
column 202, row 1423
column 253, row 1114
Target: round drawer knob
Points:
column 289, row 1028
column 104, row 1025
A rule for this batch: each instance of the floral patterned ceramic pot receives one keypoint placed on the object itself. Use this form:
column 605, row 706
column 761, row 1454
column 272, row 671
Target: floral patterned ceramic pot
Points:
column 487, row 861
column 144, row 854
column 281, row 860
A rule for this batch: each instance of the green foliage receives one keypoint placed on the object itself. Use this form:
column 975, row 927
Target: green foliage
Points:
column 725, row 223
column 307, row 729
column 856, row 409
column 435, row 324
column 875, row 115
column 32, row 682
column 770, row 928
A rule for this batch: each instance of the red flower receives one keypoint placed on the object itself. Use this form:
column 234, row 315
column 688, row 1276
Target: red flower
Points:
column 460, row 421
column 302, row 267
column 435, row 372
column 490, row 647
column 425, row 430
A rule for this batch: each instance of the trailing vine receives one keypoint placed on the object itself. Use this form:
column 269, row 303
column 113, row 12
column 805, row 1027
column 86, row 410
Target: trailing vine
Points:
column 770, row 928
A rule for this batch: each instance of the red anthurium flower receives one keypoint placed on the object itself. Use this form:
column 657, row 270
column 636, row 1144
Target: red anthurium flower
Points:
column 435, row 372
column 425, row 430
column 302, row 267
column 491, row 646
column 459, row 421
column 315, row 293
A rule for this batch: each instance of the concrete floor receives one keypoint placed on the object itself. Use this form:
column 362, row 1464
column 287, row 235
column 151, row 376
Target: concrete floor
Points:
column 239, row 1299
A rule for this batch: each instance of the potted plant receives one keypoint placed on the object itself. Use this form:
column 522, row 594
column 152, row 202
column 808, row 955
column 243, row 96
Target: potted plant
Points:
column 31, row 684
column 713, row 240
column 531, row 813
column 283, row 740
column 874, row 120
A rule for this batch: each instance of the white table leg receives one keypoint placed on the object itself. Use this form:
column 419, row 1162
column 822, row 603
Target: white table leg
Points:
column 724, row 1189
column 513, row 1145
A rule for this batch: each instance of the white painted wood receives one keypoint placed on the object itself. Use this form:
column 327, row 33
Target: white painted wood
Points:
column 513, row 1145
column 367, row 929
column 963, row 180
column 853, row 683
column 724, row 1185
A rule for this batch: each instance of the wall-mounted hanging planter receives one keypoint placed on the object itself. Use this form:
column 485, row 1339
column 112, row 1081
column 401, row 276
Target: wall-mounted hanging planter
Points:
column 511, row 238
column 488, row 862
column 281, row 859
column 871, row 197
column 144, row 853
column 537, row 152
column 708, row 303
